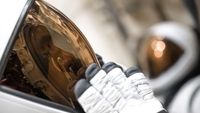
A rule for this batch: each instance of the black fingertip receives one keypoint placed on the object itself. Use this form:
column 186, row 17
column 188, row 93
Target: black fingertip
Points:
column 130, row 71
column 91, row 71
column 80, row 87
column 109, row 66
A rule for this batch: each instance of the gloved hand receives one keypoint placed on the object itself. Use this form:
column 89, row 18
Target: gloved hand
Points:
column 111, row 90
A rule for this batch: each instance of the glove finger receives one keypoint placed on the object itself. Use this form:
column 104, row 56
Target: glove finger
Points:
column 119, row 79
column 96, row 76
column 115, row 75
column 138, row 82
column 90, row 99
column 99, row 80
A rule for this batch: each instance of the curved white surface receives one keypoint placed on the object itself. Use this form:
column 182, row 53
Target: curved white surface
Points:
column 181, row 101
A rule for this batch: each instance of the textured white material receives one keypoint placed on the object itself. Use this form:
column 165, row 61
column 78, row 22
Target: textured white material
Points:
column 99, row 81
column 150, row 106
column 93, row 102
column 111, row 97
column 102, row 83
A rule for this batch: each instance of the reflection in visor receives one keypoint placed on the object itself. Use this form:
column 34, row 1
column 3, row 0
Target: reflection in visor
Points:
column 158, row 55
column 53, row 53
column 158, row 47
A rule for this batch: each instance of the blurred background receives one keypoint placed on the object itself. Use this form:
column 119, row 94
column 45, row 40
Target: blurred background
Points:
column 113, row 27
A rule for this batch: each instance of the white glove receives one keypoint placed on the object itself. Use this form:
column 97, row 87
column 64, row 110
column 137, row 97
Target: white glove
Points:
column 111, row 90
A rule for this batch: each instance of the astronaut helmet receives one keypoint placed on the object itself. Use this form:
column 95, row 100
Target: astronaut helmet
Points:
column 42, row 52
column 167, row 53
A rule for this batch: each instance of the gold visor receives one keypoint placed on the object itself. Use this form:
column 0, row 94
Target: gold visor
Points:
column 52, row 52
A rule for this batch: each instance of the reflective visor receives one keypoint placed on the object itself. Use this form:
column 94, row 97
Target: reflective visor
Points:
column 53, row 53
column 158, row 55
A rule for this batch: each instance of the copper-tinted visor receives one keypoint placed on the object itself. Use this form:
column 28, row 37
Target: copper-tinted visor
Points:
column 53, row 52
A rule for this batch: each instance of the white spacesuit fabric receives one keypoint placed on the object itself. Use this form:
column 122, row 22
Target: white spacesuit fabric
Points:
column 111, row 90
